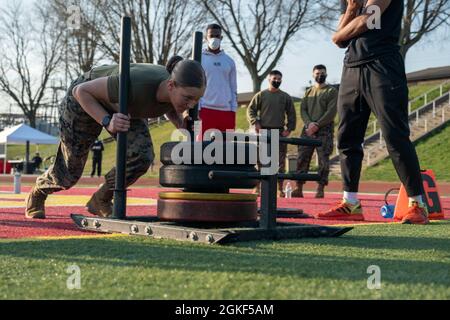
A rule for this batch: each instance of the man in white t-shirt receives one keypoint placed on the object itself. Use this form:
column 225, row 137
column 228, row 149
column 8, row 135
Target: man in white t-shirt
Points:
column 217, row 107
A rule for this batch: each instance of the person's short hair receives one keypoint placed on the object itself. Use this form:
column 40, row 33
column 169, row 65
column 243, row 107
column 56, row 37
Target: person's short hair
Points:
column 275, row 73
column 213, row 26
column 319, row 67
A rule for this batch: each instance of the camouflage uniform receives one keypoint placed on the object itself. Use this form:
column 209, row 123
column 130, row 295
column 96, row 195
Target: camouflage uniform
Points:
column 325, row 135
column 78, row 131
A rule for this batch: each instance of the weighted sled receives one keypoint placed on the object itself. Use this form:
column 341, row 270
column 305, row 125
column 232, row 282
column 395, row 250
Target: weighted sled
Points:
column 206, row 211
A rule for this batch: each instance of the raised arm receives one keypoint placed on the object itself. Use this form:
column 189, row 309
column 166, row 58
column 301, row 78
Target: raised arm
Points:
column 358, row 25
column 350, row 12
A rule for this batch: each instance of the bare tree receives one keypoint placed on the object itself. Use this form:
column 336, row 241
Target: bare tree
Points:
column 31, row 53
column 160, row 27
column 175, row 22
column 422, row 17
column 260, row 30
column 81, row 39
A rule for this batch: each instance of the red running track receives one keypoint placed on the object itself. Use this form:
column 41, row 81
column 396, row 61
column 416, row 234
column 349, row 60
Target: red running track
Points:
column 14, row 225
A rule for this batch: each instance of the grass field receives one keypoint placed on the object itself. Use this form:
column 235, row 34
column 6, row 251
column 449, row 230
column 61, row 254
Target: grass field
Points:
column 414, row 263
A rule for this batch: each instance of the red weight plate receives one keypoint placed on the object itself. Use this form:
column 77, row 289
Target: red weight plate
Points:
column 207, row 211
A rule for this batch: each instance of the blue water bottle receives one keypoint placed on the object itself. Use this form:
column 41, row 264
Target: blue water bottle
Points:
column 387, row 211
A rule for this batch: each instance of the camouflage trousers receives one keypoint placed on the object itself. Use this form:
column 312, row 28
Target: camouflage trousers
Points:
column 78, row 131
column 305, row 153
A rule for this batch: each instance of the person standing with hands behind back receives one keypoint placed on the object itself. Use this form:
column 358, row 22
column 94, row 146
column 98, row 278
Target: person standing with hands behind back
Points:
column 97, row 151
column 37, row 160
column 318, row 111
column 269, row 109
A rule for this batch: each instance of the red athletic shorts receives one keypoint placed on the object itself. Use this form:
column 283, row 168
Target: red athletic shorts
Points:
column 215, row 119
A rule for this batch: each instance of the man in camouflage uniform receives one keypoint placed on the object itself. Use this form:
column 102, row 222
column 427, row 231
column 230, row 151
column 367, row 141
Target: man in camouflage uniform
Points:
column 273, row 109
column 318, row 111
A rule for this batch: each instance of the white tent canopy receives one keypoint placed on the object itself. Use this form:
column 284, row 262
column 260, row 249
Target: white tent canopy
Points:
column 23, row 134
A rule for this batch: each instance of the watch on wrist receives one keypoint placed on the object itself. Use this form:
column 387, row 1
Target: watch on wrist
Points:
column 105, row 121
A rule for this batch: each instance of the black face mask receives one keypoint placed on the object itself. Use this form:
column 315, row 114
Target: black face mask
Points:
column 276, row 84
column 321, row 79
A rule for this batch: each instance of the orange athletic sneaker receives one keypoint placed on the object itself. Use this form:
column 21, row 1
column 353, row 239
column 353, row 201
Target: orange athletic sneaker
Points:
column 436, row 216
column 344, row 211
column 417, row 214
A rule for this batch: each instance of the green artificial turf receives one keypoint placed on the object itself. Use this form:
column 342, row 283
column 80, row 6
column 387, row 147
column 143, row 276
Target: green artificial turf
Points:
column 414, row 263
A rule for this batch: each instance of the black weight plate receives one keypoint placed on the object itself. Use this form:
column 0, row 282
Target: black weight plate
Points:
column 196, row 177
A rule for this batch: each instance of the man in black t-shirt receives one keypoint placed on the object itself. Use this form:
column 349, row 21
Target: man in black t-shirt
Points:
column 374, row 80
column 97, row 150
